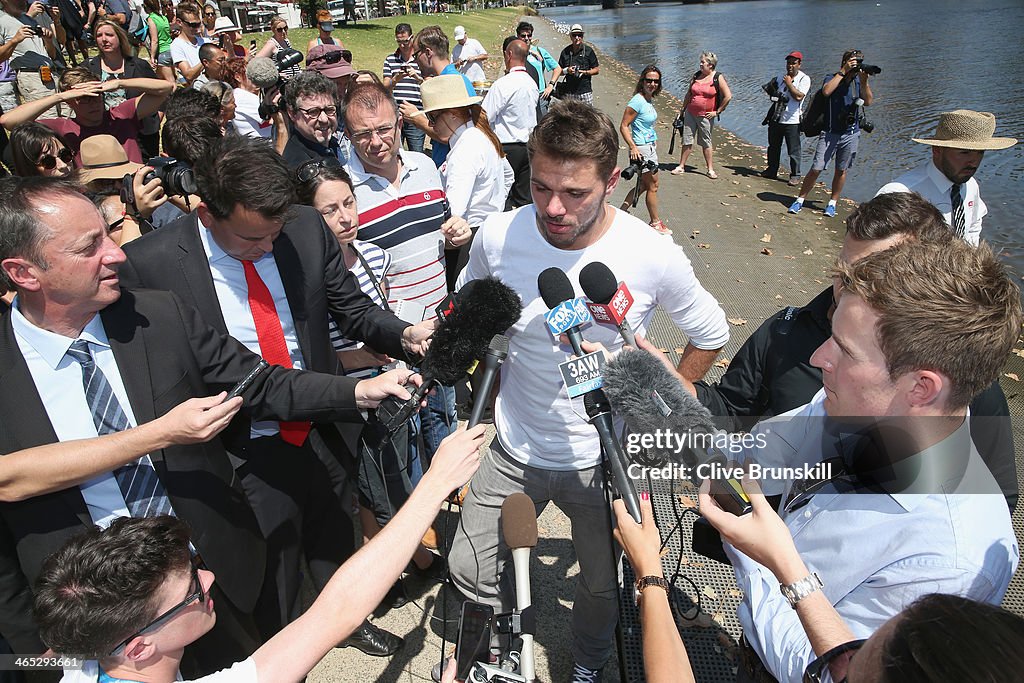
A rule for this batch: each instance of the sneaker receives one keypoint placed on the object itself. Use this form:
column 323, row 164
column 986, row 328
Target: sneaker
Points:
column 830, row 211
column 795, row 207
column 795, row 181
column 581, row 674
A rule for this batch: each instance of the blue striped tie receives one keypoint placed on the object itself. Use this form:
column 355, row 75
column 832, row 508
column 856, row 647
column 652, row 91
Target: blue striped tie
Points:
column 143, row 492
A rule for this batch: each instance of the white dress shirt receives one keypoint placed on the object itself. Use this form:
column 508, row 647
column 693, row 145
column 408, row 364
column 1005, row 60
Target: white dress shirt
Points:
column 511, row 106
column 233, row 296
column 476, row 179
column 58, row 379
column 933, row 185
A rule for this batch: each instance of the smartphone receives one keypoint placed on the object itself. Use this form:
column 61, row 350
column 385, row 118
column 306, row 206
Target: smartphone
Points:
column 247, row 380
column 474, row 640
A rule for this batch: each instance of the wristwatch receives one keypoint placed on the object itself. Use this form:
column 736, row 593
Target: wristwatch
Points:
column 798, row 590
column 645, row 581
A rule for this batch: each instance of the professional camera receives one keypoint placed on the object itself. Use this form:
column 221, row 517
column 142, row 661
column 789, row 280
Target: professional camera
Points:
column 857, row 115
column 779, row 102
column 287, row 58
column 869, row 69
column 176, row 176
column 639, row 167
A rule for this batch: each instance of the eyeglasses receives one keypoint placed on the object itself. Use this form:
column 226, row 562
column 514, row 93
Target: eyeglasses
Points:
column 384, row 133
column 418, row 53
column 192, row 24
column 818, row 671
column 313, row 113
column 311, row 169
column 111, row 227
column 652, row 80
column 49, row 161
column 195, row 592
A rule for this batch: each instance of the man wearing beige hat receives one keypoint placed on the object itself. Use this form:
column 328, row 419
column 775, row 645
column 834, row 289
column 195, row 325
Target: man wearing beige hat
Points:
column 958, row 146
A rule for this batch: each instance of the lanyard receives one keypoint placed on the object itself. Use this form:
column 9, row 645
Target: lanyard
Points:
column 373, row 278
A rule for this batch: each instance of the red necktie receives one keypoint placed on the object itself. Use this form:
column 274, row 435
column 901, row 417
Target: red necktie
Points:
column 271, row 338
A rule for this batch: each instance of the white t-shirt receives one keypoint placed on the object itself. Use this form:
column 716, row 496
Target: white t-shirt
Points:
column 802, row 82
column 240, row 672
column 184, row 51
column 247, row 118
column 473, row 71
column 534, row 418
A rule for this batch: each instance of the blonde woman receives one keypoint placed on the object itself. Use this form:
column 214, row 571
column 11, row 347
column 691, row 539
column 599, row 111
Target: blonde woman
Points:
column 279, row 41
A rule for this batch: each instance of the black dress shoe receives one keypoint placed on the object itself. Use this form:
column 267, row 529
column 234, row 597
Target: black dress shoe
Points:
column 374, row 641
column 436, row 571
column 395, row 597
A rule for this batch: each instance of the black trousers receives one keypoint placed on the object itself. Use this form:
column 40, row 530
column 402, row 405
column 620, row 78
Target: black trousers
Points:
column 519, row 160
column 295, row 497
column 790, row 132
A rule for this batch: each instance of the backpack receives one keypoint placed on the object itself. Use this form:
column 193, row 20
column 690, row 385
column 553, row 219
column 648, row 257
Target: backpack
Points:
column 814, row 119
column 138, row 27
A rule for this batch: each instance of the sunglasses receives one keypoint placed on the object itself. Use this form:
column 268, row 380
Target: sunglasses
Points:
column 818, row 670
column 525, row 36
column 49, row 161
column 281, row 29
column 193, row 24
column 403, row 41
column 652, row 80
column 209, row 14
column 333, row 57
column 195, row 592
column 575, row 35
column 311, row 169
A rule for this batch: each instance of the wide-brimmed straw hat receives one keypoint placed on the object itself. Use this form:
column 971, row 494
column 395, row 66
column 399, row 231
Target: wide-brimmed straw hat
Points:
column 224, row 25
column 103, row 158
column 446, row 92
column 966, row 129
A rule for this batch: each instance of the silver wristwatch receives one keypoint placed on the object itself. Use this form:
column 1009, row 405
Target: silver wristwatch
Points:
column 798, row 590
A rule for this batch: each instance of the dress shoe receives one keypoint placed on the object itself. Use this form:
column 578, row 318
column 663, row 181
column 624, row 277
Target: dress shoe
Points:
column 395, row 598
column 436, row 571
column 373, row 641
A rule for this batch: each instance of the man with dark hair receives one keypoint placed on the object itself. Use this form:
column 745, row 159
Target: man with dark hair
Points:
column 511, row 106
column 848, row 91
column 185, row 48
column 312, row 105
column 83, row 358
column 246, row 242
column 542, row 447
column 402, row 76
column 128, row 599
column 904, row 505
column 577, row 63
column 214, row 61
column 190, row 137
column 189, row 101
column 772, row 372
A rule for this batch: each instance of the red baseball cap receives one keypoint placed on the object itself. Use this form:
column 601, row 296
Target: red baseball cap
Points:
column 796, row 54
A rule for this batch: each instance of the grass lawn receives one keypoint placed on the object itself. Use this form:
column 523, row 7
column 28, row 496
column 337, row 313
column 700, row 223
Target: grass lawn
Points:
column 371, row 41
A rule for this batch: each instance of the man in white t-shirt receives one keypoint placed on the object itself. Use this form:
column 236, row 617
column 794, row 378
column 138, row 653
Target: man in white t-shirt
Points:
column 185, row 49
column 543, row 447
column 790, row 88
column 131, row 597
column 468, row 55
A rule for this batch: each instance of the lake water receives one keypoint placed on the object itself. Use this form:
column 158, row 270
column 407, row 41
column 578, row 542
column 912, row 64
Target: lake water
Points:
column 936, row 55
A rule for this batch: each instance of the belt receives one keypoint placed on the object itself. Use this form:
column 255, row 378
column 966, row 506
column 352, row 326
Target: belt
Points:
column 752, row 664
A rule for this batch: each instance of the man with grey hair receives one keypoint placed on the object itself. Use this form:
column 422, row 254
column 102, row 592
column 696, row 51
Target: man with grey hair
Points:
column 312, row 104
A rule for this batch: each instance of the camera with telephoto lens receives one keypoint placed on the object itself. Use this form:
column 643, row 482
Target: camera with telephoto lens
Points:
column 287, row 58
column 642, row 166
column 869, row 69
column 175, row 176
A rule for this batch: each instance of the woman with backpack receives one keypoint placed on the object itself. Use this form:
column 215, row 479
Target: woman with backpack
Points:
column 706, row 99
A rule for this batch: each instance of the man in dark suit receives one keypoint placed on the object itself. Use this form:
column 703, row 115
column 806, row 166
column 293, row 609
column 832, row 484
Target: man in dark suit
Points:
column 67, row 373
column 247, row 221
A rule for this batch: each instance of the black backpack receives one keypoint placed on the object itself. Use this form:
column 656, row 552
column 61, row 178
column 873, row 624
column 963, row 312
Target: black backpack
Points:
column 814, row 119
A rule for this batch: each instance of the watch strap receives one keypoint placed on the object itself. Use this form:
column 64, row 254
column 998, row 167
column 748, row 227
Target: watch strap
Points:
column 645, row 581
column 798, row 590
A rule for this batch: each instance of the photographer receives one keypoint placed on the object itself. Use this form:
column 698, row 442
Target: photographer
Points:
column 847, row 92
column 26, row 40
column 578, row 61
column 787, row 92
column 637, row 129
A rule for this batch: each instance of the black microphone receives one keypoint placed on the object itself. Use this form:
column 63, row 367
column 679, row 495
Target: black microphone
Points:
column 556, row 289
column 481, row 309
column 601, row 287
column 651, row 399
column 599, row 410
column 495, row 355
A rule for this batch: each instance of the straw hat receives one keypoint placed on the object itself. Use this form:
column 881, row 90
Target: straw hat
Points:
column 224, row 25
column 966, row 129
column 103, row 158
column 446, row 92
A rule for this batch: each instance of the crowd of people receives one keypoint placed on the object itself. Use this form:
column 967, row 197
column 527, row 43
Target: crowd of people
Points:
column 171, row 221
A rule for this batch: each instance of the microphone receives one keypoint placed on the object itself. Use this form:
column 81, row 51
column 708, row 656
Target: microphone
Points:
column 567, row 312
column 610, row 300
column 480, row 310
column 262, row 72
column 497, row 352
column 599, row 410
column 519, row 526
column 653, row 403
